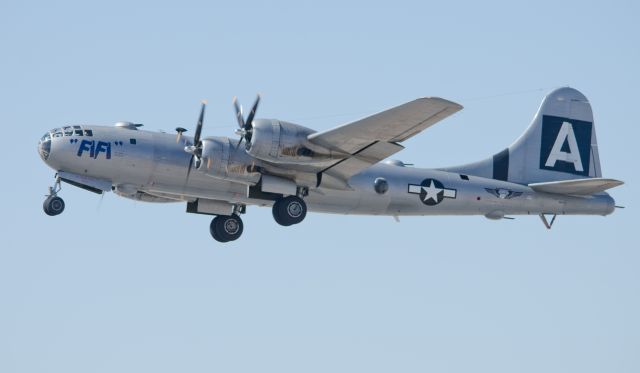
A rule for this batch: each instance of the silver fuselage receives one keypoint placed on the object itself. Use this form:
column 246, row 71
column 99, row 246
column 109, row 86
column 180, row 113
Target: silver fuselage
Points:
column 156, row 163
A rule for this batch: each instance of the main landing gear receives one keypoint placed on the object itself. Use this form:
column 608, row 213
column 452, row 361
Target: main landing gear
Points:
column 53, row 205
column 286, row 211
column 225, row 228
column 289, row 210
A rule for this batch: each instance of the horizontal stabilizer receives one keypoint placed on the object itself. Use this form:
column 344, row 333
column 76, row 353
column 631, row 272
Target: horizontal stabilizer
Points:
column 581, row 187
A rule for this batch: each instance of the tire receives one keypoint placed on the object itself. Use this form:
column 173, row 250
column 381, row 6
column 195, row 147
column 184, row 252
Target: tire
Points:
column 53, row 206
column 226, row 228
column 213, row 230
column 289, row 211
column 45, row 207
column 275, row 211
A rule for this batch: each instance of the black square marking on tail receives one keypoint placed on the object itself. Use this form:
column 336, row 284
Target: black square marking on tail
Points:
column 576, row 130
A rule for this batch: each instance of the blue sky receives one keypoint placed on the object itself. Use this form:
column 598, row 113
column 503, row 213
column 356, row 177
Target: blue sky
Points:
column 114, row 285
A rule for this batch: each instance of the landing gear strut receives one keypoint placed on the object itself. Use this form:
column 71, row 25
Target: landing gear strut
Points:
column 225, row 228
column 289, row 210
column 53, row 205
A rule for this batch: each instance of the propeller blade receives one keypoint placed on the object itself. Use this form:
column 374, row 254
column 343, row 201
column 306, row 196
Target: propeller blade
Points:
column 180, row 131
column 196, row 137
column 189, row 168
column 239, row 116
column 252, row 113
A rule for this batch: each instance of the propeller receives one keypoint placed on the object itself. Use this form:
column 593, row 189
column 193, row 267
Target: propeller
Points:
column 245, row 128
column 196, row 148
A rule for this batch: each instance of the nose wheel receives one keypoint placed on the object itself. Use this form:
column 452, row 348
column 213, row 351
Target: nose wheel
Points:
column 53, row 205
column 289, row 210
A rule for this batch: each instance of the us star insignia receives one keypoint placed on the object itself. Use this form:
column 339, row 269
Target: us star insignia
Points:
column 432, row 191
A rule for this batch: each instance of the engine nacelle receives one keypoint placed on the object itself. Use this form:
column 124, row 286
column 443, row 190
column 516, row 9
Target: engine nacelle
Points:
column 221, row 160
column 281, row 142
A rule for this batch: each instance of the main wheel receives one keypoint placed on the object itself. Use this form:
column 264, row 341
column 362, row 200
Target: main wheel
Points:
column 226, row 228
column 289, row 210
column 53, row 206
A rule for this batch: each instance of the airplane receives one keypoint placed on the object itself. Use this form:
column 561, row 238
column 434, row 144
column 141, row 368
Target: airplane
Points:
column 552, row 169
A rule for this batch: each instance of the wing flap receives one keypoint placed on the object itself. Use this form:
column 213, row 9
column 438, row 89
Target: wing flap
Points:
column 581, row 187
column 362, row 160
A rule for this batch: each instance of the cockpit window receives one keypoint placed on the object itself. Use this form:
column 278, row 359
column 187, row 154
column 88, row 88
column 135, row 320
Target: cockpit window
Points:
column 71, row 131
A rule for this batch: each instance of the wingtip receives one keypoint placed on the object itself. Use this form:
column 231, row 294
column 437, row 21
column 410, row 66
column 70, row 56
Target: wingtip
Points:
column 451, row 104
column 618, row 182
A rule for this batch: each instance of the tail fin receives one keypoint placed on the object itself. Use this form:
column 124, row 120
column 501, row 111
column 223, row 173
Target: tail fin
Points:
column 560, row 144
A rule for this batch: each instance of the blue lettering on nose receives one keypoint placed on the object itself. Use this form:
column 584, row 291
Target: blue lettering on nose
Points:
column 86, row 145
column 103, row 147
column 95, row 149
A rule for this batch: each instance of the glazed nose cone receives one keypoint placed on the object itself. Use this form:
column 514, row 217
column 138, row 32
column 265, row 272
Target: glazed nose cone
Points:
column 44, row 147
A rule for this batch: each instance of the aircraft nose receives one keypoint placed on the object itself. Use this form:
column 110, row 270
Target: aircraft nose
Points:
column 44, row 146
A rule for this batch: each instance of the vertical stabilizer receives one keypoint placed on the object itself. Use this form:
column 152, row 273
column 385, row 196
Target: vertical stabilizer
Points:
column 560, row 144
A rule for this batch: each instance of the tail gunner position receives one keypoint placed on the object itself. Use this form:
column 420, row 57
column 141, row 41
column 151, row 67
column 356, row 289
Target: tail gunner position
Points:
column 552, row 169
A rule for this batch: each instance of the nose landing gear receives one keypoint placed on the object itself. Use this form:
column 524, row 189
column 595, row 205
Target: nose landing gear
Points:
column 53, row 205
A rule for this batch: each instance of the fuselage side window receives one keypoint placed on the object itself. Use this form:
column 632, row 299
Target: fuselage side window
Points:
column 88, row 132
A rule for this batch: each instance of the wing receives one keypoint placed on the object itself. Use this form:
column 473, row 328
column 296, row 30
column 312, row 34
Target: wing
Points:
column 394, row 125
column 376, row 137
